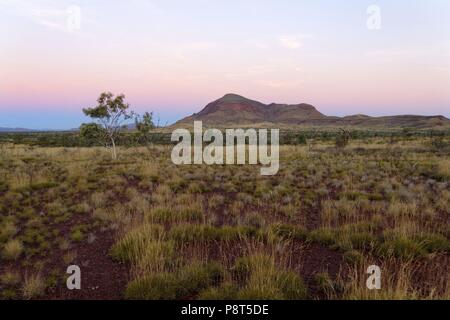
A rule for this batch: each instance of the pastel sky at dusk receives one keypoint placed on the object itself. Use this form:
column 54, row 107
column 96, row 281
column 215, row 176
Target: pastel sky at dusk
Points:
column 173, row 57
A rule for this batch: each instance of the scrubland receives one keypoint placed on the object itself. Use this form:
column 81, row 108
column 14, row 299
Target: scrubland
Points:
column 142, row 228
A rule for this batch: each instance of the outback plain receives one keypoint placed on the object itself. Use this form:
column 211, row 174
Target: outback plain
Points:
column 141, row 227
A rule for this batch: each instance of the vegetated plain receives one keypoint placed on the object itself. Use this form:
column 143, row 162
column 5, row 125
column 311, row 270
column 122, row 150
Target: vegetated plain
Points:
column 140, row 227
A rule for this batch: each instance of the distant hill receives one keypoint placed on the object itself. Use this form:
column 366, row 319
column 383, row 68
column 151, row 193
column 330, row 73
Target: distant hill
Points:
column 232, row 110
column 15, row 130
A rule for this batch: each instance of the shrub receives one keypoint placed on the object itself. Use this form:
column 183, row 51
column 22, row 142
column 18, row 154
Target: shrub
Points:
column 401, row 248
column 42, row 185
column 362, row 240
column 188, row 281
column 159, row 286
column 156, row 256
column 33, row 287
column 324, row 236
column 292, row 286
column 7, row 230
column 324, row 283
column 82, row 208
column 13, row 249
column 133, row 244
column 289, row 231
column 8, row 294
column 198, row 276
column 227, row 291
column 342, row 139
column 254, row 219
column 10, row 279
column 433, row 242
column 77, row 235
column 216, row 201
column 261, row 279
column 353, row 257
column 207, row 233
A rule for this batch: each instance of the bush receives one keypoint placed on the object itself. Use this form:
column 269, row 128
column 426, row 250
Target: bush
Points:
column 433, row 242
column 207, row 233
column 244, row 266
column 77, row 235
column 290, row 231
column 13, row 249
column 185, row 283
column 261, row 280
column 353, row 257
column 134, row 243
column 33, row 287
column 7, row 230
column 401, row 248
column 324, row 236
column 342, row 139
column 227, row 291
column 292, row 286
column 10, row 279
column 159, row 286
column 254, row 220
column 198, row 276
column 362, row 240
column 324, row 283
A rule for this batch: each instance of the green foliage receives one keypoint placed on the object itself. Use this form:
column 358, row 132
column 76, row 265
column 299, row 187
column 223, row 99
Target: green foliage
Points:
column 227, row 291
column 207, row 233
column 342, row 139
column 323, row 236
column 92, row 133
column 324, row 283
column 289, row 231
column 184, row 283
column 260, row 279
column 145, row 124
column 401, row 248
column 110, row 114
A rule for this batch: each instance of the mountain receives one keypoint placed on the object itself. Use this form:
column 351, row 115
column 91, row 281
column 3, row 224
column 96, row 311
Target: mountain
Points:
column 14, row 130
column 235, row 109
column 232, row 110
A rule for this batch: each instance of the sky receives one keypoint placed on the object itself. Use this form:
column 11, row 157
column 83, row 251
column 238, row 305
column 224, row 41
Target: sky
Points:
column 173, row 57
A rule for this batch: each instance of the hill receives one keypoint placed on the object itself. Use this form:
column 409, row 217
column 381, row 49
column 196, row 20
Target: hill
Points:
column 14, row 130
column 233, row 109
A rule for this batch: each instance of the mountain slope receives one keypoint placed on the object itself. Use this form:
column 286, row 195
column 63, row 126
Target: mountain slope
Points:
column 233, row 109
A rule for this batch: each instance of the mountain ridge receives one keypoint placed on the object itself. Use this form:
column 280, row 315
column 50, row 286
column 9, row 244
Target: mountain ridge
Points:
column 234, row 109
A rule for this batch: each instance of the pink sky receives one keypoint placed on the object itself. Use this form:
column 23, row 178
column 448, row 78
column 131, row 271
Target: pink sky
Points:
column 174, row 57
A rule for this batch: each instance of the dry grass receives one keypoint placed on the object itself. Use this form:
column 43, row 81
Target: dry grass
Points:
column 33, row 286
column 227, row 232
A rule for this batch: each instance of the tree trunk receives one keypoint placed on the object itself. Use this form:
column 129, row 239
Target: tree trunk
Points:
column 114, row 155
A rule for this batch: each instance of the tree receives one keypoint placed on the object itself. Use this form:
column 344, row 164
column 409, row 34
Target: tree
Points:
column 342, row 139
column 301, row 139
column 92, row 133
column 110, row 114
column 144, row 125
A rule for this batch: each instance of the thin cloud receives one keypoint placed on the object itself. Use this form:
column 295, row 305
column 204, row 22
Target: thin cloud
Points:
column 50, row 16
column 292, row 41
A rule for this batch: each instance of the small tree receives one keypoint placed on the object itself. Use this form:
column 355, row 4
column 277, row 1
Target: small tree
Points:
column 110, row 114
column 301, row 139
column 92, row 134
column 144, row 126
column 342, row 139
